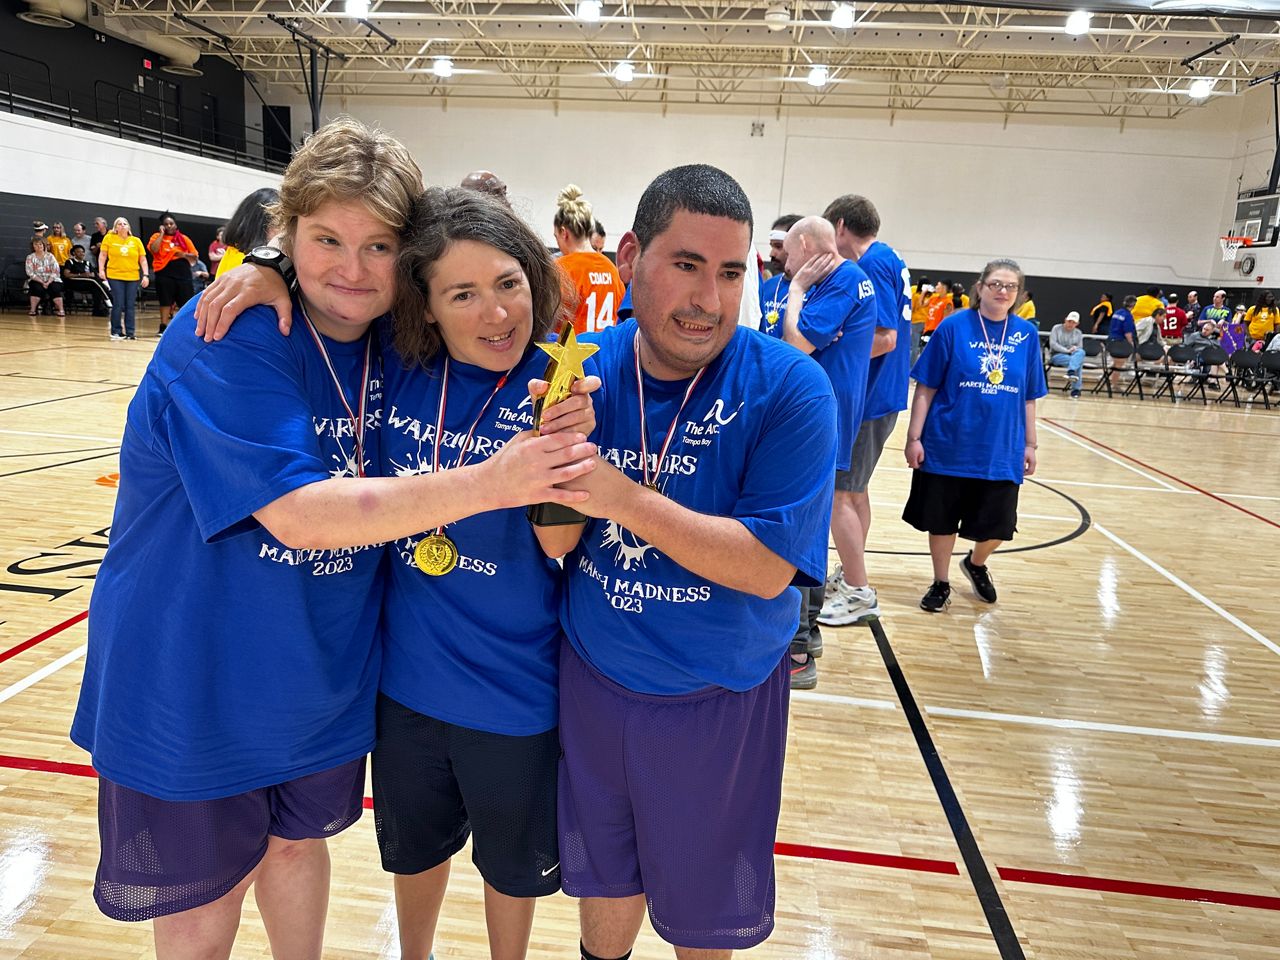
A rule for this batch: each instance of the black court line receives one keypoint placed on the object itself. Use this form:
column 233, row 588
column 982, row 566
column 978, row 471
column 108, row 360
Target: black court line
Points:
column 105, row 381
column 75, row 396
column 59, row 453
column 997, row 918
column 54, row 466
column 1086, row 521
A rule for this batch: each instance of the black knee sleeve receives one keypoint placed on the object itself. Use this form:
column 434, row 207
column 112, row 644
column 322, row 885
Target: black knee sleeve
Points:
column 588, row 955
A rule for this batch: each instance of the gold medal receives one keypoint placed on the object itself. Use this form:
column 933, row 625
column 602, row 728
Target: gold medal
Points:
column 996, row 376
column 435, row 555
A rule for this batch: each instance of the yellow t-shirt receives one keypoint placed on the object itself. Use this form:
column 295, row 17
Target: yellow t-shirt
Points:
column 919, row 307
column 964, row 301
column 122, row 256
column 1145, row 306
column 231, row 258
column 1027, row 311
column 1260, row 321
column 60, row 247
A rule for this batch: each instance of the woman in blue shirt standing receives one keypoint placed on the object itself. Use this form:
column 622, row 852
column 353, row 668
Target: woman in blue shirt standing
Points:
column 972, row 435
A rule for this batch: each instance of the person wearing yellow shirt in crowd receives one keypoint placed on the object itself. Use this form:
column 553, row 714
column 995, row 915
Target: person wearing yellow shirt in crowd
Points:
column 1261, row 319
column 59, row 244
column 122, row 262
column 172, row 254
column 920, row 292
column 1028, row 309
column 1101, row 314
column 1147, row 304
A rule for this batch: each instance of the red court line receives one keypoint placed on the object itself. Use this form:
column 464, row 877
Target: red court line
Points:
column 869, row 859
column 48, row 766
column 1147, row 466
column 42, row 637
column 1159, row 891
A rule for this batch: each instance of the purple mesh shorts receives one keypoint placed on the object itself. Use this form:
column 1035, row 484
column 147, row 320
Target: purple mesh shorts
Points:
column 164, row 856
column 676, row 798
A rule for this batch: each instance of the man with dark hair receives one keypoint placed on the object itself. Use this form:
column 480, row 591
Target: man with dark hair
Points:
column 597, row 237
column 709, row 499
column 850, row 596
column 773, row 292
column 778, row 233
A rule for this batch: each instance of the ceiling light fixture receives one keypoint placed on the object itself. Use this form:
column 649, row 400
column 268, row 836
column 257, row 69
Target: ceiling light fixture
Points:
column 777, row 17
column 1201, row 87
column 1078, row 23
column 442, row 67
column 842, row 16
column 589, row 10
column 624, row 72
column 817, row 76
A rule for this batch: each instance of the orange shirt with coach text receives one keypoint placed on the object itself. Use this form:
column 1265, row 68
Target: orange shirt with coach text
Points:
column 600, row 290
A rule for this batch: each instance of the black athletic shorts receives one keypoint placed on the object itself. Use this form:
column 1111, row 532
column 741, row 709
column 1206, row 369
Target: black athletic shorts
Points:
column 434, row 783
column 174, row 285
column 976, row 509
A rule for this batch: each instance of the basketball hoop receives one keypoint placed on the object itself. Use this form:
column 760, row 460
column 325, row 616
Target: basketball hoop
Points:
column 1231, row 246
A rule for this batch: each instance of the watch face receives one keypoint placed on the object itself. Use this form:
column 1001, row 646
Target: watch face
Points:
column 265, row 253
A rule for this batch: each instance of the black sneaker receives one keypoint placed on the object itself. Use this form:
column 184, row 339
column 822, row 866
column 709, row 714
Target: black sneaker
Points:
column 980, row 578
column 163, row 327
column 804, row 676
column 813, row 646
column 130, row 336
column 938, row 598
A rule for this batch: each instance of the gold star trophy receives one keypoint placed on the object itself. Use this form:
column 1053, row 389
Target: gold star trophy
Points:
column 564, row 367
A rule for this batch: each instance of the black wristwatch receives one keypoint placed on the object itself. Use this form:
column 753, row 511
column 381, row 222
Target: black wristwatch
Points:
column 277, row 261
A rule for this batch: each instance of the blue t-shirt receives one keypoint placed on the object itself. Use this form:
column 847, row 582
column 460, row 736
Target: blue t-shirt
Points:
column 889, row 372
column 1122, row 323
column 625, row 310
column 755, row 442
column 976, row 428
column 479, row 646
column 844, row 300
column 773, row 304
column 220, row 660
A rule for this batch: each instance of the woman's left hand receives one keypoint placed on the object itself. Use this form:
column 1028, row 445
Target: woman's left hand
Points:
column 146, row 282
column 1029, row 461
column 575, row 413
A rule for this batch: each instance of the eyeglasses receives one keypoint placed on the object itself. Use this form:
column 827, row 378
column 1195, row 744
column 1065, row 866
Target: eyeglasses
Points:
column 996, row 286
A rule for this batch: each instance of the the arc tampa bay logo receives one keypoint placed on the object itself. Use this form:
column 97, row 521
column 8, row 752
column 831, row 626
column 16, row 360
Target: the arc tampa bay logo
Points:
column 628, row 549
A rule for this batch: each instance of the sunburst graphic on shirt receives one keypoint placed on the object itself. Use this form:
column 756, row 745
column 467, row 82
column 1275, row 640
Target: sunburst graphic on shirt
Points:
column 628, row 549
column 346, row 463
column 988, row 361
column 414, row 464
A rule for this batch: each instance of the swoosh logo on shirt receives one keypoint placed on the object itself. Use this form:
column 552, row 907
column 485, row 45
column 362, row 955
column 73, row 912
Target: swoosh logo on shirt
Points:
column 547, row 872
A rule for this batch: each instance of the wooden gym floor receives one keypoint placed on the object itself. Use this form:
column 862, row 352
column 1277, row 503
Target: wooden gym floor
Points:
column 1089, row 769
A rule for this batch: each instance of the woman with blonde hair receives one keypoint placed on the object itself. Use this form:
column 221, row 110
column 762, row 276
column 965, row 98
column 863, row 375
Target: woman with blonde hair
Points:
column 599, row 287
column 972, row 435
column 122, row 263
column 43, row 278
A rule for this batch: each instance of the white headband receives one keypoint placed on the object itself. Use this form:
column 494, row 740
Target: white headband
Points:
column 777, row 235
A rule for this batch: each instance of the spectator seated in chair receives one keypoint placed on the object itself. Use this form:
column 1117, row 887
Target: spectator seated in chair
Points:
column 80, row 275
column 1066, row 349
column 43, row 277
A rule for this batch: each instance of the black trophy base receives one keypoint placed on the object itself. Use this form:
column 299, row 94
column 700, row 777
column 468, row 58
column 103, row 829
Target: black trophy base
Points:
column 553, row 515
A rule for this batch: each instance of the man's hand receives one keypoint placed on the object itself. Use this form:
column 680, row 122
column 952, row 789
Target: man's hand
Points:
column 575, row 414
column 816, row 269
column 608, row 488
column 1029, row 461
column 235, row 292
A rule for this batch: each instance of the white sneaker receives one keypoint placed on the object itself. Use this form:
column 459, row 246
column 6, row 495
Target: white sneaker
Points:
column 117, row 336
column 849, row 605
column 834, row 579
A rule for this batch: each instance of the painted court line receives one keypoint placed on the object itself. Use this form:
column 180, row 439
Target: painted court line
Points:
column 1191, row 591
column 31, row 680
column 59, row 436
column 1108, row 486
column 1106, row 456
column 42, row 637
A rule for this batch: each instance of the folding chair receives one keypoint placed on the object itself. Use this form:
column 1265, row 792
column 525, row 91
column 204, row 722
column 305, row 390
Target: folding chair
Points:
column 1149, row 363
column 1210, row 357
column 1116, row 350
column 1241, row 366
column 1180, row 360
